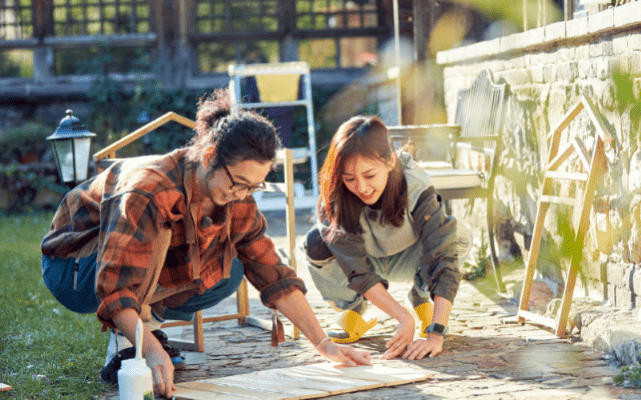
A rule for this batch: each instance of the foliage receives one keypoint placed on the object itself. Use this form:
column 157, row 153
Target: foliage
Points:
column 22, row 141
column 116, row 111
column 481, row 262
column 630, row 376
column 48, row 352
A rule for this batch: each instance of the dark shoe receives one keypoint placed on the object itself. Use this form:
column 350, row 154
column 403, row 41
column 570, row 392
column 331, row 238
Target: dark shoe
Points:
column 109, row 373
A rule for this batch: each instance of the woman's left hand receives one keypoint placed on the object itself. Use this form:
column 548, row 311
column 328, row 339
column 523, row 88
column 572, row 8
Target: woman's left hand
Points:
column 424, row 347
column 403, row 338
column 344, row 354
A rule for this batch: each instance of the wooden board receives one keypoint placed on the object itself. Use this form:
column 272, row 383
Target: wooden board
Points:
column 306, row 382
column 4, row 388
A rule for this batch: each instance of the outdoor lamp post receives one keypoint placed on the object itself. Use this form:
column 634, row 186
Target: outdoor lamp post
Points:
column 71, row 144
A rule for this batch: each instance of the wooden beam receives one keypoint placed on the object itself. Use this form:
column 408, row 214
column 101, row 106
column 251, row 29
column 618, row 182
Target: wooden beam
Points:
column 110, row 151
column 559, row 159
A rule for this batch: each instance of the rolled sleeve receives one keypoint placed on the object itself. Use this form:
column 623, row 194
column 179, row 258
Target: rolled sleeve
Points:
column 352, row 257
column 263, row 267
column 439, row 263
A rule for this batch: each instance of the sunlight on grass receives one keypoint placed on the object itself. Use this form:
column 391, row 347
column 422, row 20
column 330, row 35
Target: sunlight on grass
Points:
column 47, row 351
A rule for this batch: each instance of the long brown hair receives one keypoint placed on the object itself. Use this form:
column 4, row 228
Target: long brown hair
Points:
column 339, row 208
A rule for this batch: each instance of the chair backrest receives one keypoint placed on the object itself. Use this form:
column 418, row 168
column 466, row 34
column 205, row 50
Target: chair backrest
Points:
column 278, row 85
column 479, row 112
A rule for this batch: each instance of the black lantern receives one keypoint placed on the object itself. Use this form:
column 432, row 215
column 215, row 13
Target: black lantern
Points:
column 71, row 145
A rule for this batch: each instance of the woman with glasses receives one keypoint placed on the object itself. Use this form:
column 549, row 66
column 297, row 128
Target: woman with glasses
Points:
column 161, row 237
column 380, row 221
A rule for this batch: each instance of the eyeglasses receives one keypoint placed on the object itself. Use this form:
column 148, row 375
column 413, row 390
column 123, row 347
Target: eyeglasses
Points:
column 239, row 187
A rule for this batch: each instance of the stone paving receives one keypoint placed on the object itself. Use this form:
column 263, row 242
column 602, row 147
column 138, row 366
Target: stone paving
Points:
column 486, row 355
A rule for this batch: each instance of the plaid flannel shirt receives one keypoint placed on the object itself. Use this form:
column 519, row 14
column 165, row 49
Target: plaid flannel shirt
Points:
column 120, row 212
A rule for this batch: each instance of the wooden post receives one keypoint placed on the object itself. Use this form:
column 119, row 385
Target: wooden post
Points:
column 43, row 59
column 188, row 56
column 288, row 46
column 423, row 95
column 568, row 9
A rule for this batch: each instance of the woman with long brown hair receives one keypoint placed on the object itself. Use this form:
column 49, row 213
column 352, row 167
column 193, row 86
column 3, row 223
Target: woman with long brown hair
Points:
column 381, row 220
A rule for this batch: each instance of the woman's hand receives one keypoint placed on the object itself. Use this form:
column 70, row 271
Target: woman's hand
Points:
column 404, row 336
column 424, row 347
column 342, row 353
column 162, row 372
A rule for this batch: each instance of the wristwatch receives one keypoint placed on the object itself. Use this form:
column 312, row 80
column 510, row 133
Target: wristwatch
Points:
column 436, row 328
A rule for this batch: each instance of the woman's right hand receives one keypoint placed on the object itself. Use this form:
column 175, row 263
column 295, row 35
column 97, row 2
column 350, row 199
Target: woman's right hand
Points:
column 404, row 337
column 344, row 354
column 162, row 372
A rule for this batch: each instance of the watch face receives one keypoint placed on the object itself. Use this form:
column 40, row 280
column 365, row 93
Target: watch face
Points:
column 438, row 328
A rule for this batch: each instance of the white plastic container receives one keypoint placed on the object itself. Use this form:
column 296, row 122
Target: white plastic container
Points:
column 135, row 381
column 134, row 377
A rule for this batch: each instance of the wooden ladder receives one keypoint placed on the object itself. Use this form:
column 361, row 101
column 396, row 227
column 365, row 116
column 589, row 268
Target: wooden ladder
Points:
column 593, row 162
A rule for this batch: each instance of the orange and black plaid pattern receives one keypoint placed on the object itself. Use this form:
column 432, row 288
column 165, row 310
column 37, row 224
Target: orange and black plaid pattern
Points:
column 121, row 211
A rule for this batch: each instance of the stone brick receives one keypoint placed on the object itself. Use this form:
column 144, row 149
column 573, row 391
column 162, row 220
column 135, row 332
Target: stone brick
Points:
column 636, row 281
column 537, row 74
column 549, row 73
column 623, row 297
column 634, row 41
column 582, row 52
column 620, row 63
column 582, row 68
column 554, row 31
column 576, row 27
column 620, row 44
column 603, row 68
column 601, row 21
column 618, row 275
column 627, row 14
column 518, row 76
column 507, row 43
column 567, row 71
column 635, row 63
column 636, row 89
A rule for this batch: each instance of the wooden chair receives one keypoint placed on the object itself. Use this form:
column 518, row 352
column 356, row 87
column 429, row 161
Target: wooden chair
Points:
column 592, row 163
column 476, row 128
column 278, row 86
column 107, row 156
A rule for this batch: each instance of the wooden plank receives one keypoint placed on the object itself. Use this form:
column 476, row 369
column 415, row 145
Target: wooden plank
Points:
column 582, row 152
column 170, row 116
column 229, row 390
column 5, row 388
column 255, row 382
column 559, row 159
column 566, row 119
column 560, row 200
column 570, row 176
column 597, row 120
column 584, row 223
column 193, row 394
column 538, row 319
column 303, row 382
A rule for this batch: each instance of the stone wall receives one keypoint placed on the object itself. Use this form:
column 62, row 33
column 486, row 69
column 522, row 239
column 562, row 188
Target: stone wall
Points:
column 547, row 71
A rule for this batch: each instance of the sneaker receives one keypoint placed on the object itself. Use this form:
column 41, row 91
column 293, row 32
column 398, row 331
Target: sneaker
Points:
column 109, row 373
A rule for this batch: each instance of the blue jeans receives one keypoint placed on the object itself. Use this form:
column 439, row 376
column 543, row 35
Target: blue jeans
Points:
column 73, row 283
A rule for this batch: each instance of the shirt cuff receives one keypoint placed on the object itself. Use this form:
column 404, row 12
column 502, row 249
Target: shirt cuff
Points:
column 113, row 303
column 363, row 283
column 279, row 289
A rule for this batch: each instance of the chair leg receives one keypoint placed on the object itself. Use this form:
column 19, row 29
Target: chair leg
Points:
column 242, row 301
column 490, row 233
column 198, row 332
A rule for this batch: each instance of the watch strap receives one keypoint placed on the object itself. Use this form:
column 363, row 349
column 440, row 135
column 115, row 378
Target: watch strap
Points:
column 436, row 328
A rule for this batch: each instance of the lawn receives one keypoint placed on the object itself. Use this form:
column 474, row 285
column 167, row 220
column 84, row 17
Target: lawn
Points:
column 46, row 351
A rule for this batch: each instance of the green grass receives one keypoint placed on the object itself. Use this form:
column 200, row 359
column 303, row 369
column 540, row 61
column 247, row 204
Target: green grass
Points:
column 46, row 351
